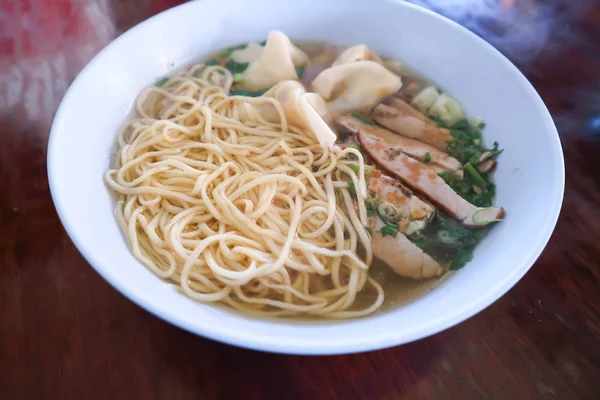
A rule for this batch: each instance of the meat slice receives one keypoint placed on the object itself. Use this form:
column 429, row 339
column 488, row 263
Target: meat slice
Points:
column 403, row 256
column 409, row 205
column 414, row 148
column 426, row 181
column 407, row 121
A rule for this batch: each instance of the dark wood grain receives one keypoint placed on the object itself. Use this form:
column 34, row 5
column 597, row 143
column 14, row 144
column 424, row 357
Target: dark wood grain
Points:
column 66, row 334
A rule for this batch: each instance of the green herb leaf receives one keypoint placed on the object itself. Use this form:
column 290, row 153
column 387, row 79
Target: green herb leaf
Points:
column 427, row 157
column 389, row 231
column 226, row 53
column 354, row 168
column 263, row 43
column 494, row 150
column 462, row 124
column 214, row 61
column 300, row 71
column 460, row 259
column 242, row 92
column 481, row 125
column 369, row 230
column 438, row 121
column 446, row 237
column 161, row 81
column 362, row 118
column 236, row 67
column 351, row 185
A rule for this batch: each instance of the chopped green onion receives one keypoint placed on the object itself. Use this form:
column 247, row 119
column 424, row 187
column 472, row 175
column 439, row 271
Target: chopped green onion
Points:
column 263, row 43
column 462, row 124
column 370, row 210
column 161, row 82
column 300, row 71
column 460, row 259
column 369, row 230
column 495, row 151
column 427, row 157
column 389, row 231
column 238, row 78
column 446, row 238
column 476, row 176
column 338, row 198
column 354, row 146
column 438, row 121
column 484, row 222
column 354, row 168
column 372, row 199
column 236, row 67
column 351, row 185
column 387, row 223
column 214, row 61
column 387, row 210
column 362, row 118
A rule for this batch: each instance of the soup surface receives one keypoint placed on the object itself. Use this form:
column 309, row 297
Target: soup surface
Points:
column 302, row 179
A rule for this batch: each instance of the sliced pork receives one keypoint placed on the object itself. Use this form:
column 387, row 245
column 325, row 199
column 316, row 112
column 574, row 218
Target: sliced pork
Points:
column 426, row 181
column 411, row 147
column 407, row 121
column 403, row 256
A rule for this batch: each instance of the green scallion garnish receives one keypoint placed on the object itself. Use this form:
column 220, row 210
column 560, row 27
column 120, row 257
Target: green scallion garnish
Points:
column 370, row 210
column 362, row 118
column 388, row 223
column 389, row 231
column 372, row 199
column 476, row 176
column 300, row 71
column 427, row 157
column 236, row 67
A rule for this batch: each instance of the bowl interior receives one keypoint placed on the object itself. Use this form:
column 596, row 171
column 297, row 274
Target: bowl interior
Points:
column 530, row 175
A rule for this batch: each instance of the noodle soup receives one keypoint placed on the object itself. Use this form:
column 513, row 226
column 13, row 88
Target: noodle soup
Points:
column 302, row 180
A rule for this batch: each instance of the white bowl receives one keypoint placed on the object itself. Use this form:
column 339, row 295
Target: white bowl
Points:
column 530, row 175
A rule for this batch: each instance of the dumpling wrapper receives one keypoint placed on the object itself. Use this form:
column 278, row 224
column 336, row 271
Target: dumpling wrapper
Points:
column 355, row 85
column 357, row 53
column 270, row 64
column 307, row 111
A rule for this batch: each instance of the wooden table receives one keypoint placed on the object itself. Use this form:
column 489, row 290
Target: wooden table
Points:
column 66, row 334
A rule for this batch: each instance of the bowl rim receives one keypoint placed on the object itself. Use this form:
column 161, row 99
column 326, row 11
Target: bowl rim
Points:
column 375, row 342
